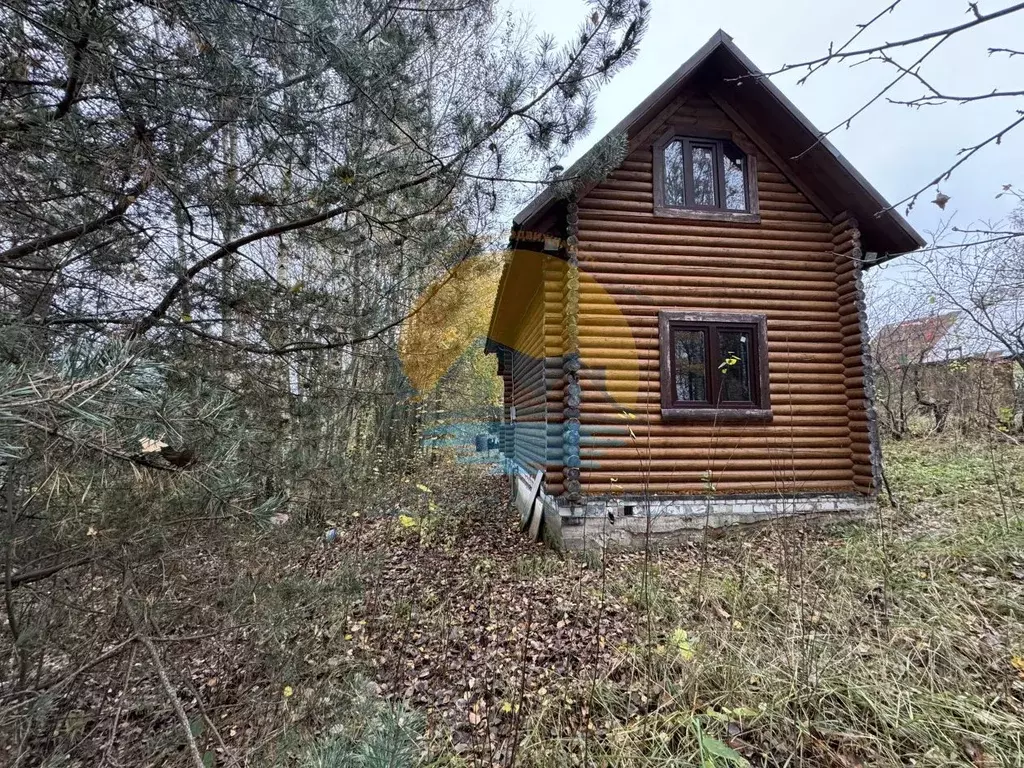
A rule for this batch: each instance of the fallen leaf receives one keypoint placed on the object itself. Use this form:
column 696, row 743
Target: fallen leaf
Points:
column 152, row 445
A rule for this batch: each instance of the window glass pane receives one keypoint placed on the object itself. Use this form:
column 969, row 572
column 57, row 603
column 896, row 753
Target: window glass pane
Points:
column 734, row 365
column 703, row 175
column 674, row 184
column 734, row 163
column 690, row 366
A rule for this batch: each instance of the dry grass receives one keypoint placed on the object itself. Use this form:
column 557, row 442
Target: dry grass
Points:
column 900, row 643
column 893, row 643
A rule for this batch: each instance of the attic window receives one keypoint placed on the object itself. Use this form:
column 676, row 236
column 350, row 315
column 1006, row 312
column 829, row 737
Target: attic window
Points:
column 703, row 177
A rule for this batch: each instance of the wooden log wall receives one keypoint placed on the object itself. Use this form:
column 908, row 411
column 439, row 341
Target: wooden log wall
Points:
column 784, row 267
column 528, row 392
column 554, row 373
column 506, row 438
column 856, row 354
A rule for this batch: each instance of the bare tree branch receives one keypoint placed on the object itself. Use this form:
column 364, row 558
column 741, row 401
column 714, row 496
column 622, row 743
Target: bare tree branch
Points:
column 840, row 55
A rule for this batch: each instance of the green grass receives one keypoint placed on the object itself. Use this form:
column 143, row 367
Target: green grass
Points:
column 953, row 472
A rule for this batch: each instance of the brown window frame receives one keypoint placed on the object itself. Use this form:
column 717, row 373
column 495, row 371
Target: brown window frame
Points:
column 717, row 141
column 758, row 408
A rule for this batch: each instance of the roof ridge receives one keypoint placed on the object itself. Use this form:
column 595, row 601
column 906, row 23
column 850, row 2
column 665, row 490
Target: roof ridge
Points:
column 889, row 222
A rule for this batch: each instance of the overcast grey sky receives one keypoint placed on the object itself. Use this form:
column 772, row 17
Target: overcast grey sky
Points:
column 898, row 149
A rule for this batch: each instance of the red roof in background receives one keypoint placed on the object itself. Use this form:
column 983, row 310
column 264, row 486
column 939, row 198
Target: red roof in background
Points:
column 912, row 340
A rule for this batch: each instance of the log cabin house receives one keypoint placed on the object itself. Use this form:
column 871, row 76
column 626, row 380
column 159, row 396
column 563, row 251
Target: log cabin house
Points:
column 682, row 339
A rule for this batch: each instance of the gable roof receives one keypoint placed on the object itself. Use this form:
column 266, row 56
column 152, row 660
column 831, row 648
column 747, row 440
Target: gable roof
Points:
column 812, row 158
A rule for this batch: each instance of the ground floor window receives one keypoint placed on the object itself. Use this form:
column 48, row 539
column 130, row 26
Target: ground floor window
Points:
column 713, row 365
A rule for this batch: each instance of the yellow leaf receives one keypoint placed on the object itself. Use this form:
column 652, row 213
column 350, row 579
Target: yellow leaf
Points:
column 407, row 522
column 423, row 488
column 729, row 362
column 1018, row 663
column 506, row 707
column 681, row 640
column 288, row 691
column 348, row 637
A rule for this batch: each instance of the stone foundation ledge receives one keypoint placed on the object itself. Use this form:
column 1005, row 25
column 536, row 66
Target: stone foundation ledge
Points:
column 675, row 520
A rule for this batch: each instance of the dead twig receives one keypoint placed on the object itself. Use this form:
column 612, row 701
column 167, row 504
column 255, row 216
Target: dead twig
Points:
column 120, row 706
column 843, row 53
column 27, row 577
column 71, row 676
column 165, row 682
column 209, row 721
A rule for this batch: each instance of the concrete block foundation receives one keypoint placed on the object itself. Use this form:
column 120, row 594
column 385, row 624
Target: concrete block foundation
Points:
column 630, row 523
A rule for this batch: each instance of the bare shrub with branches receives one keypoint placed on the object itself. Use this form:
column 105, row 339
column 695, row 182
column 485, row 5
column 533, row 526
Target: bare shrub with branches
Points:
column 935, row 367
column 981, row 280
